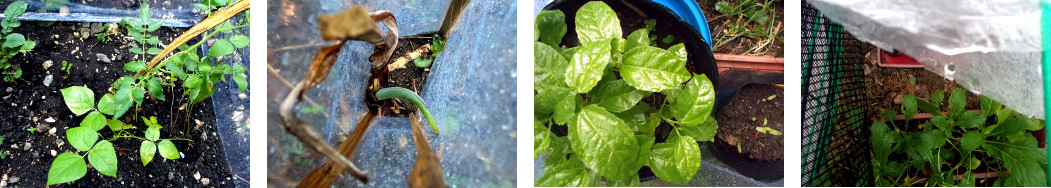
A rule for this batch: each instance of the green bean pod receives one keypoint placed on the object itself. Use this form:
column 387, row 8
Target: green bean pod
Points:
column 409, row 95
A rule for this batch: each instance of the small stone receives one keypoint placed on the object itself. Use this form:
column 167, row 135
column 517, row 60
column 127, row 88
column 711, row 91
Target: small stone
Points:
column 197, row 175
column 171, row 175
column 52, row 131
column 206, row 181
column 9, row 89
column 14, row 179
column 48, row 64
column 96, row 27
column 898, row 98
column 28, row 145
column 103, row 58
column 54, row 153
column 50, row 120
column 241, row 96
column 35, row 119
column 47, row 80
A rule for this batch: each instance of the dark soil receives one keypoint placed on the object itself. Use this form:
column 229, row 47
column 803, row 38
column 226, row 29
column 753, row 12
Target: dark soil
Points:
column 887, row 86
column 717, row 23
column 747, row 110
column 27, row 103
column 410, row 77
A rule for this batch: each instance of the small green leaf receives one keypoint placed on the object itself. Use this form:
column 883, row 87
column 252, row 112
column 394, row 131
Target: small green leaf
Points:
column 153, row 133
column 552, row 23
column 617, row 95
column 153, row 27
column 115, row 125
column 989, row 106
column 695, row 102
column 104, row 158
column 167, row 149
column 123, row 100
column 653, row 69
column 242, row 83
column 146, row 151
column 956, row 102
column 240, row 41
column 970, row 120
column 703, row 132
column 14, row 40
column 28, row 46
column 596, row 22
column 79, row 99
column 193, row 81
column 421, row 62
column 725, row 8
column 566, row 109
column 541, row 139
column 144, row 13
column 550, row 66
column 908, row 107
column 15, row 9
column 156, row 90
column 94, row 120
column 153, row 50
column 937, row 97
column 637, row 39
column 970, row 141
column 67, row 167
column 587, row 66
column 137, row 50
column 82, row 138
column 135, row 66
column 220, row 48
column 676, row 160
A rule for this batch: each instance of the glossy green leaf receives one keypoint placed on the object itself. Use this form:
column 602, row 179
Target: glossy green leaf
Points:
column 15, row 9
column 67, row 167
column 676, row 160
column 596, row 22
column 561, row 172
column 637, row 38
column 137, row 94
column 541, row 140
column 645, row 150
column 14, row 40
column 153, row 133
column 192, row 81
column 167, row 149
column 82, row 138
column 115, row 125
column 240, row 41
column 653, row 69
column 956, row 102
column 79, row 99
column 123, row 101
column 547, row 99
column 603, row 142
column 908, row 107
column 94, row 120
column 633, row 182
column 636, row 118
column 587, row 66
column 135, row 66
column 242, row 82
column 568, row 53
column 220, row 48
column 146, row 151
column 970, row 141
column 552, row 26
column 680, row 50
column 549, row 68
column 695, row 102
column 144, row 13
column 617, row 95
column 104, row 158
column 703, row 132
column 566, row 109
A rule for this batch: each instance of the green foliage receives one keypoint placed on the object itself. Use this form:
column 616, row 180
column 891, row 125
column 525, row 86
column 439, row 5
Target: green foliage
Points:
column 597, row 92
column 957, row 143
column 13, row 43
column 749, row 19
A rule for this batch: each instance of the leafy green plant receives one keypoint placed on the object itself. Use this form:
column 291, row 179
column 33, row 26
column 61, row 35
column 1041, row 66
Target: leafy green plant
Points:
column 958, row 143
column 66, row 66
column 13, row 42
column 611, row 94
column 103, row 36
column 750, row 19
column 31, row 129
column 70, row 166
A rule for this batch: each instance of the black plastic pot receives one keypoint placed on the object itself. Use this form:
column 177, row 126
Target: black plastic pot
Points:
column 700, row 58
column 732, row 82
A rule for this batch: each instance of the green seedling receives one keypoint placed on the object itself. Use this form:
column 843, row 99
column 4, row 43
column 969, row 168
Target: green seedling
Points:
column 422, row 62
column 13, row 43
column 949, row 149
column 66, row 66
column 596, row 91
column 31, row 129
column 406, row 94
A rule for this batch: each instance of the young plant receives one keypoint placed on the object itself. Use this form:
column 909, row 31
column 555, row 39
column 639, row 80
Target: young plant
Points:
column 70, row 166
column 946, row 146
column 605, row 92
column 13, row 43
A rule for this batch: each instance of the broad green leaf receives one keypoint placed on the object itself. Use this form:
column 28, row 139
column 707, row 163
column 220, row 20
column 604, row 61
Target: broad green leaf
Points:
column 679, row 49
column 633, row 182
column 1003, row 114
column 957, row 101
column 220, row 48
column 969, row 120
column 1035, row 124
column 153, row 50
column 240, row 41
column 115, row 125
column 28, row 46
column 144, row 13
column 942, row 123
column 541, row 140
column 153, row 133
column 123, row 101
column 929, row 108
column 242, row 83
column 636, row 118
column 15, row 9
column 881, row 140
column 695, row 102
column 1025, row 162
column 167, row 149
column 552, row 23
column 603, row 142
column 192, row 81
column 703, row 132
column 562, row 172
column 617, row 95
column 989, row 106
column 638, row 38
column 94, row 120
column 568, row 53
column 175, row 69
column 566, row 109
column 79, row 99
column 587, row 66
column 82, row 138
column 135, row 66
column 146, row 151
column 653, row 69
column 645, row 150
column 67, row 167
column 908, row 107
column 1012, row 126
column 937, row 97
column 14, row 40
column 970, row 141
column 547, row 99
column 676, row 160
column 153, row 26
column 549, row 68
column 104, row 158
column 156, row 90
column 137, row 94
column 596, row 22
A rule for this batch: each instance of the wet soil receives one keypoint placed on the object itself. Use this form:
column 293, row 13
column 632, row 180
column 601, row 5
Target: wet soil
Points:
column 750, row 108
column 27, row 103
column 718, row 23
column 409, row 77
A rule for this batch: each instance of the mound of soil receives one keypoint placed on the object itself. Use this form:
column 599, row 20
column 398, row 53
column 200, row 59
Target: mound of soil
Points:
column 28, row 103
column 749, row 109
